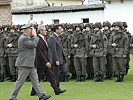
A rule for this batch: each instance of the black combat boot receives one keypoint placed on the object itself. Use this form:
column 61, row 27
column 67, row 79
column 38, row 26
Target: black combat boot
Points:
column 110, row 77
column 97, row 78
column 2, row 78
column 92, row 76
column 101, row 78
column 118, row 78
column 83, row 78
column 107, row 76
column 66, row 78
column 10, row 78
column 121, row 78
column 78, row 79
column 13, row 78
column 89, row 76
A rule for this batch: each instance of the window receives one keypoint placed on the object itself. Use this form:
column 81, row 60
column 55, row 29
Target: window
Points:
column 56, row 21
column 85, row 20
column 29, row 2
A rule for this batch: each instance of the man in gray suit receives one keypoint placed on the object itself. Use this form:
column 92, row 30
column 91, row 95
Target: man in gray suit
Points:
column 27, row 44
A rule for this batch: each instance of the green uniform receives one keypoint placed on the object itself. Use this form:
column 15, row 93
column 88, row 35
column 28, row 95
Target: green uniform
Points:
column 72, row 53
column 66, row 44
column 128, row 55
column 131, row 45
column 119, row 61
column 12, row 52
column 2, row 40
column 99, row 58
column 79, row 57
column 88, row 56
column 108, row 66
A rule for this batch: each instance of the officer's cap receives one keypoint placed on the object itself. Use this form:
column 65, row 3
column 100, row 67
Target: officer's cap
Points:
column 26, row 26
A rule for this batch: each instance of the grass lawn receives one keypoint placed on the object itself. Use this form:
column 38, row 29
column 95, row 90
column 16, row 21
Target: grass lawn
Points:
column 89, row 90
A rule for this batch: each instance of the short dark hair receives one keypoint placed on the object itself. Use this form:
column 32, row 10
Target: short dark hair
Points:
column 56, row 27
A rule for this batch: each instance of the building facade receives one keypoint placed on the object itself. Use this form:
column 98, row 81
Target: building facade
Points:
column 64, row 2
column 5, row 12
column 65, row 14
column 20, row 4
column 112, row 10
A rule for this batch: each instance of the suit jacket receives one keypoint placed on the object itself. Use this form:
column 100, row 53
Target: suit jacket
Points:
column 56, row 51
column 41, row 54
column 27, row 51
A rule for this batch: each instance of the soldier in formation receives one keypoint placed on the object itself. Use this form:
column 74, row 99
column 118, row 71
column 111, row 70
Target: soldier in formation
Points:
column 92, row 51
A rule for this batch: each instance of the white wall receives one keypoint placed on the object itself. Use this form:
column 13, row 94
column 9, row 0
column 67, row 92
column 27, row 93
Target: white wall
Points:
column 117, row 11
column 69, row 17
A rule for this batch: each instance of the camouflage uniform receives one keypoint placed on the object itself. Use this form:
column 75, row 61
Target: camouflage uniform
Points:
column 129, row 38
column 12, row 53
column 119, row 43
column 131, row 45
column 79, row 57
column 89, row 58
column 66, row 44
column 2, row 70
column 72, row 52
column 99, row 51
column 108, row 66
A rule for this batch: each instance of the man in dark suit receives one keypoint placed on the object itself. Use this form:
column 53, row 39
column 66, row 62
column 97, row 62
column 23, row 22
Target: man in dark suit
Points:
column 57, row 58
column 27, row 44
column 42, row 62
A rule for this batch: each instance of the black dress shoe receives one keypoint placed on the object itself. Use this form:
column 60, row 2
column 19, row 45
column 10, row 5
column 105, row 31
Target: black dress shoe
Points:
column 33, row 94
column 61, row 91
column 44, row 97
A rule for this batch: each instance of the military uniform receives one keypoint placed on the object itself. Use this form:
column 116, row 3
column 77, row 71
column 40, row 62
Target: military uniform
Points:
column 66, row 44
column 99, row 49
column 119, row 42
column 72, row 53
column 131, row 45
column 89, row 58
column 79, row 57
column 2, row 70
column 12, row 53
column 108, row 66
column 129, row 38
column 6, row 62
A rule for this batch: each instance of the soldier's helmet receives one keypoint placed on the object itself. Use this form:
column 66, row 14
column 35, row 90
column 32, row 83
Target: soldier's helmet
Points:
column 78, row 25
column 113, row 24
column 98, row 25
column 106, row 23
column 12, row 27
column 70, row 26
column 120, row 24
column 89, row 25
column 125, row 24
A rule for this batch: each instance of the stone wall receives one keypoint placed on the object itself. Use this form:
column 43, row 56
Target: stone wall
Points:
column 5, row 15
